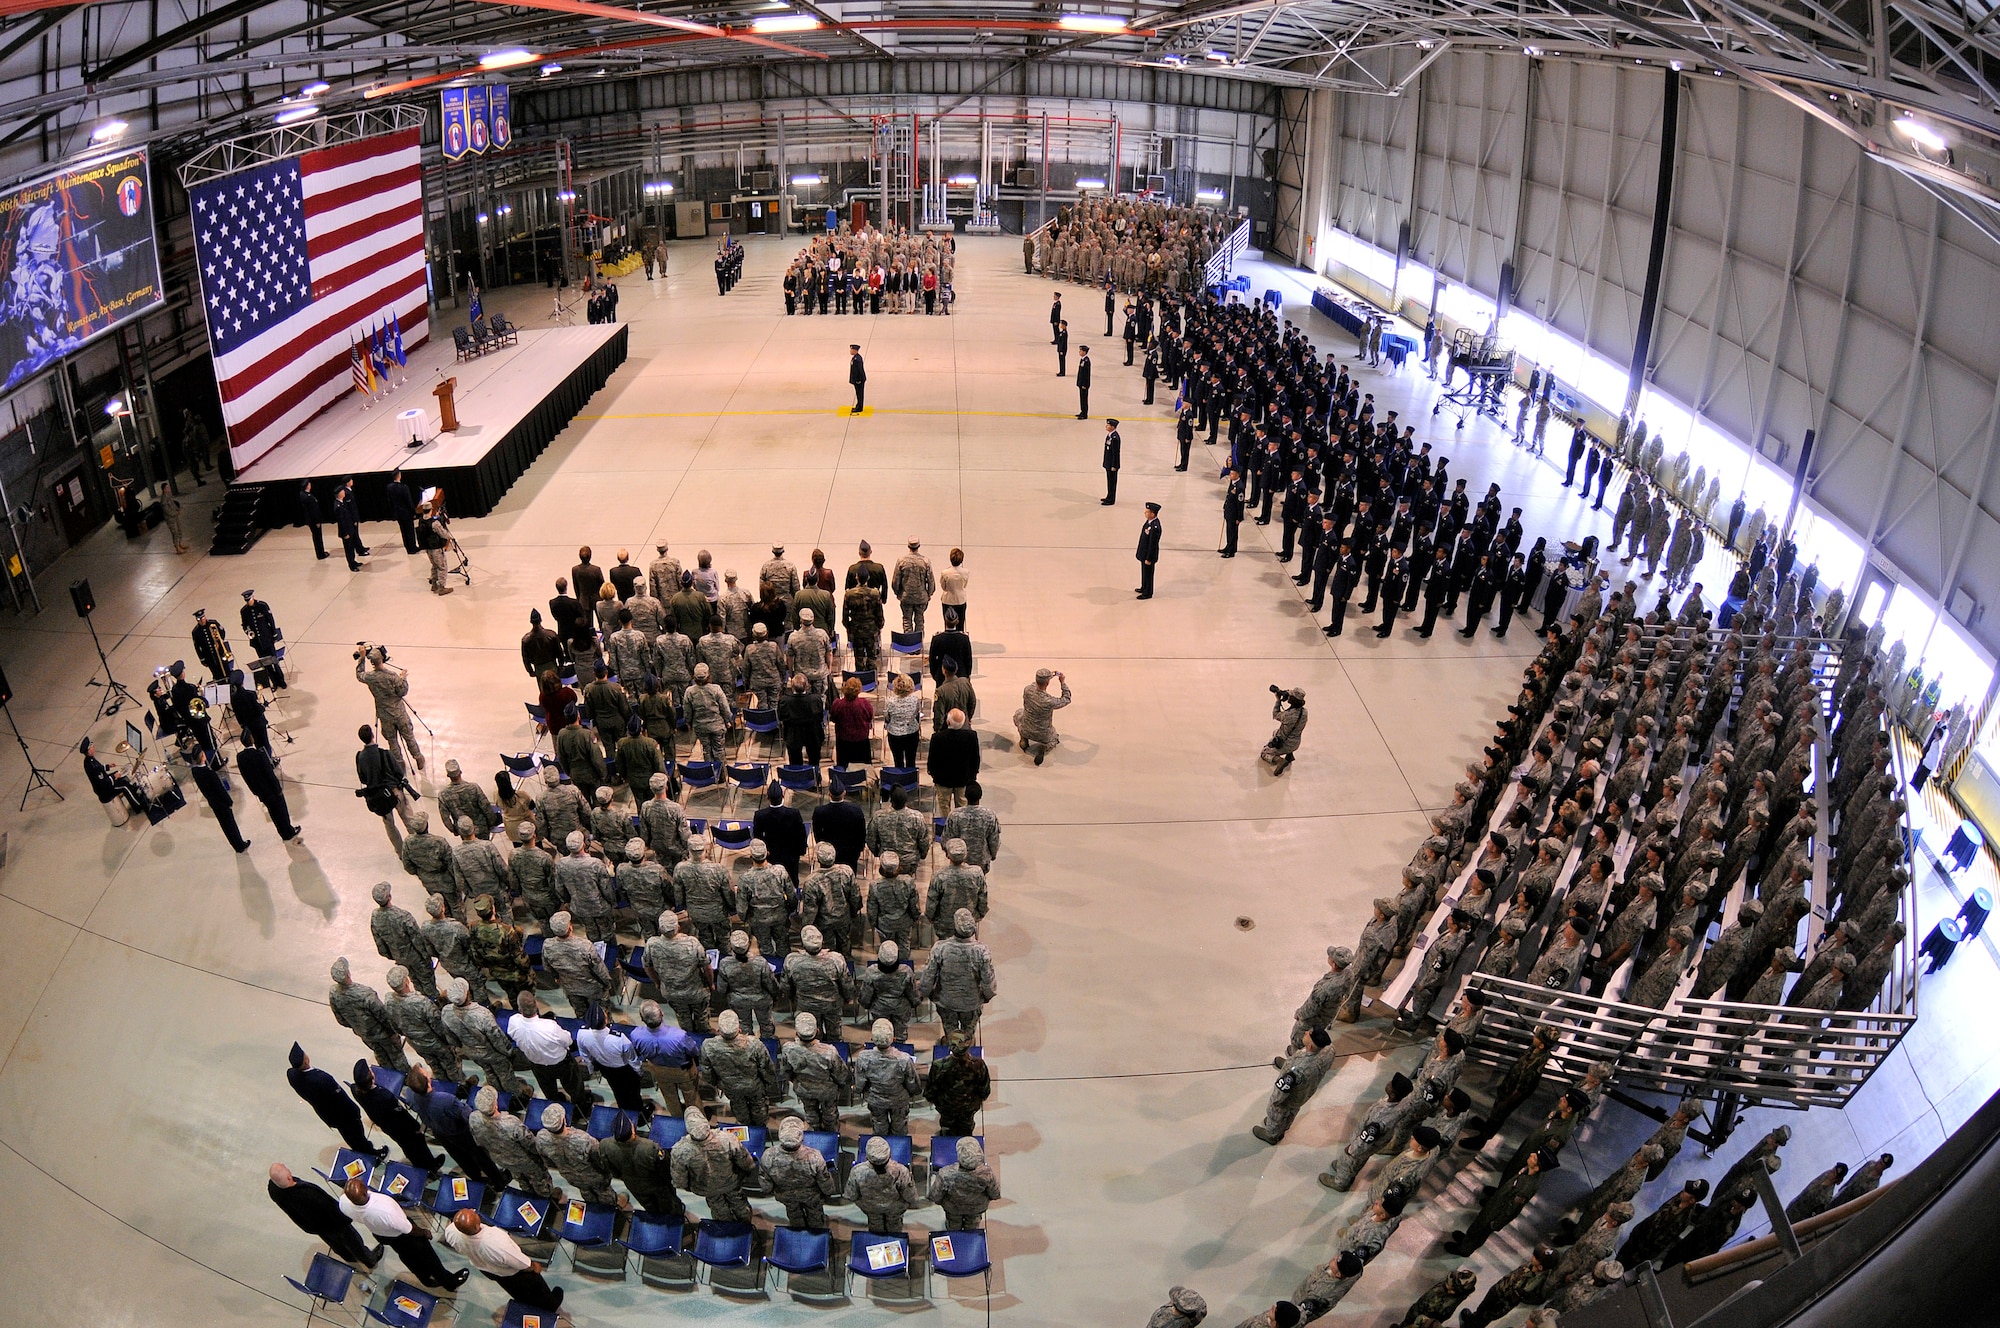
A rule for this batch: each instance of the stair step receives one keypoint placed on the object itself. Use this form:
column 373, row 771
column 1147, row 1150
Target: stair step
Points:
column 236, row 525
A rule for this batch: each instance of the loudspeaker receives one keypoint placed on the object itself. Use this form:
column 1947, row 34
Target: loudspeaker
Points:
column 6, row 690
column 79, row 595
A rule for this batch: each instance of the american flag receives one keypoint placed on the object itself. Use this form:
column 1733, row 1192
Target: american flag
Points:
column 296, row 256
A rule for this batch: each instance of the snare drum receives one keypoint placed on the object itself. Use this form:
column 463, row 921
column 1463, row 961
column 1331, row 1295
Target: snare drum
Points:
column 156, row 782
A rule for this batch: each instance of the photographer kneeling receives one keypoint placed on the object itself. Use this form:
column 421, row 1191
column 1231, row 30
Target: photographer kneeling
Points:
column 1290, row 711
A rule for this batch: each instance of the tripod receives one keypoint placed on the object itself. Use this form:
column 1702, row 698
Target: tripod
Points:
column 562, row 314
column 37, row 777
column 115, row 694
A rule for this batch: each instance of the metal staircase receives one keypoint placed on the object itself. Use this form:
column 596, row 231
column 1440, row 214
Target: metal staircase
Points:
column 236, row 524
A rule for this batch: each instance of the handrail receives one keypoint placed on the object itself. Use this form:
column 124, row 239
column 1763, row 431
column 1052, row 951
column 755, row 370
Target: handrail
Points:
column 1712, row 1266
column 1908, row 951
column 1216, row 270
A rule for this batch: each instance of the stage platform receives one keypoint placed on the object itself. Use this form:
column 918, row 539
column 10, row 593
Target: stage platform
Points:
column 511, row 403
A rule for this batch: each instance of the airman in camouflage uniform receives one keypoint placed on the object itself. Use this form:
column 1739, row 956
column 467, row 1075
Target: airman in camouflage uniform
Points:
column 887, row 1078
column 560, row 809
column 818, row 1075
column 1302, row 1076
column 428, row 857
column 462, row 797
column 892, row 902
column 1317, row 1010
column 497, row 949
column 473, row 1027
column 816, row 982
column 881, row 1188
column 959, row 977
column 586, row 882
column 830, row 899
column 389, row 685
column 399, row 940
column 709, row 714
column 416, row 1017
column 966, row 1190
column 360, row 1011
column 713, row 1166
column 809, row 650
column 741, row 1067
column 677, row 966
column 1375, row 1128
column 900, row 829
column 508, row 1142
column 574, row 964
column 532, row 873
column 477, row 864
column 573, row 1153
column 887, row 991
column 643, row 885
column 763, row 667
column 913, row 583
column 747, row 986
column 957, row 886
column 706, row 896
column 977, row 826
column 765, row 895
column 449, row 941
column 663, row 825
column 798, row 1177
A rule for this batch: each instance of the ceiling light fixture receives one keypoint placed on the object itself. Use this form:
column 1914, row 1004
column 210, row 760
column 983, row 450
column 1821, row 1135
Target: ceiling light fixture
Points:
column 109, row 130
column 507, row 59
column 315, row 89
column 1091, row 23
column 1208, row 195
column 1219, row 56
column 805, row 179
column 294, row 114
column 1910, row 127
column 963, row 181
column 1531, row 50
column 1090, row 184
column 551, row 69
column 785, row 23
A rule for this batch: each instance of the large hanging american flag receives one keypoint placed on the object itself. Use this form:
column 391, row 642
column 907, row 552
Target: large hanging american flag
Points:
column 296, row 257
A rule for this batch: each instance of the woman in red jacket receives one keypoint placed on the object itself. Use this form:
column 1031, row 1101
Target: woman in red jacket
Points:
column 853, row 726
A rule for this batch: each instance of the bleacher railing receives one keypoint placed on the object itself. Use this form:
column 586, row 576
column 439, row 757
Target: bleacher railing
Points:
column 1223, row 260
column 1772, row 1055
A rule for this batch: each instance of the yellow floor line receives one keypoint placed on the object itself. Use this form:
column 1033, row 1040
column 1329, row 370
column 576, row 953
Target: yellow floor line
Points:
column 846, row 413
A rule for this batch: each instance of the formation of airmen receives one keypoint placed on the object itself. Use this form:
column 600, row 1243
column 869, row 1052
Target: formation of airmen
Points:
column 867, row 270
column 1132, row 245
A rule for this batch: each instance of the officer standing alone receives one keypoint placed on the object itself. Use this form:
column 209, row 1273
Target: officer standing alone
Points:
column 1113, row 446
column 857, row 377
column 1149, row 549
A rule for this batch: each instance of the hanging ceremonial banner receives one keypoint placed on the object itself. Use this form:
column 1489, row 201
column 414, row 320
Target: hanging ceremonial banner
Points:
column 502, row 116
column 476, row 121
column 457, row 131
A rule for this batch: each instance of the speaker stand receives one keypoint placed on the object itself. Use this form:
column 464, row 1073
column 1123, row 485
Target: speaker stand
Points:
column 38, row 778
column 115, row 695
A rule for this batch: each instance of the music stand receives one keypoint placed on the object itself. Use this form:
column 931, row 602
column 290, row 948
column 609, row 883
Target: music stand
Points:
column 115, row 694
column 37, row 777
column 261, row 674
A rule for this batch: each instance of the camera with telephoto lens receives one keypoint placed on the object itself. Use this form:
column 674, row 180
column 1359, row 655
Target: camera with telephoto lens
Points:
column 1277, row 690
column 363, row 647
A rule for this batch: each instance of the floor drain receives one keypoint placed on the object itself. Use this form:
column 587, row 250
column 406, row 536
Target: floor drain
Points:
column 1244, row 924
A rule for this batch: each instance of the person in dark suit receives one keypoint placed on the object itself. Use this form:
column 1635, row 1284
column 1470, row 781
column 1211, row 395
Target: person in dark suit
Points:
column 392, row 1118
column 1149, row 549
column 1113, row 446
column 209, row 780
column 347, row 520
column 1083, row 384
column 782, row 829
column 586, row 579
column 1062, row 350
column 857, row 377
column 323, row 1093
column 314, row 1212
column 566, row 612
column 950, row 644
column 1055, row 317
column 309, row 518
column 842, row 824
column 1232, row 514
column 404, row 508
column 260, row 776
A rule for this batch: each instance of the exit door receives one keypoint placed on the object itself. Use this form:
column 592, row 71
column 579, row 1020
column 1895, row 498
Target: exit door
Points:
column 72, row 504
column 857, row 216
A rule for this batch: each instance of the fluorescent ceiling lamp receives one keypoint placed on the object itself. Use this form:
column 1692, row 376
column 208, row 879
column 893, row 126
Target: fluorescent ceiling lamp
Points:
column 483, row 218
column 296, row 113
column 1091, row 23
column 1910, row 127
column 109, row 130
column 507, row 59
column 567, row 195
column 805, row 179
column 1090, row 184
column 785, row 23
column 1220, row 57
column 549, row 70
column 1209, row 195
column 315, row 89
column 115, row 407
column 963, row 180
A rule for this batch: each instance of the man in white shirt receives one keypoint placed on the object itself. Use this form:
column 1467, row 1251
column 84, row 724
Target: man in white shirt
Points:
column 384, row 1218
column 549, row 1049
column 494, row 1253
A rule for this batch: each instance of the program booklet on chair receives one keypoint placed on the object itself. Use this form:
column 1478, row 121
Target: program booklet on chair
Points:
column 887, row 1256
column 940, row 1249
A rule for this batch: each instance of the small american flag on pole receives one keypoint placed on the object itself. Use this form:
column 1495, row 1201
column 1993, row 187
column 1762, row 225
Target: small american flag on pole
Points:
column 294, row 255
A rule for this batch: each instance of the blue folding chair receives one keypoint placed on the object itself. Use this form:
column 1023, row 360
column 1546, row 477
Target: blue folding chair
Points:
column 656, row 1240
column 825, row 1142
column 898, row 777
column 799, row 778
column 405, row 1306
column 327, row 1281
column 751, row 775
column 538, row 1105
column 392, row 1080
column 522, row 1213
column 518, row 1314
column 733, row 836
column 603, row 1120
column 666, row 1130
column 907, row 643
column 522, row 765
column 958, row 1254
column 723, row 1245
column 403, row 1183
column 867, row 677
column 900, row 1147
column 589, row 1226
column 531, row 950
column 760, row 721
column 349, row 1165
column 944, row 1150
column 876, row 1257
column 848, row 779
column 457, row 1193
column 699, row 775
column 795, row 1253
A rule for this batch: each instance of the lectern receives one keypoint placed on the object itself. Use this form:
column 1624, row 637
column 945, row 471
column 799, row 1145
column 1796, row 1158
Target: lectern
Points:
column 447, row 412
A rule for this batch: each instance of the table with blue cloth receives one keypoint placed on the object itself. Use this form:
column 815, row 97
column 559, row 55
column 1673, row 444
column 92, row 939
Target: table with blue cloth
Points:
column 1396, row 348
column 1340, row 313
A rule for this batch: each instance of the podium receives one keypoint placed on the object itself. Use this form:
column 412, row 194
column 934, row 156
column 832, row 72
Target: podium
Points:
column 447, row 410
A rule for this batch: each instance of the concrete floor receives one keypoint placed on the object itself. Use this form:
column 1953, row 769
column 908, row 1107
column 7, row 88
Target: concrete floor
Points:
column 155, row 979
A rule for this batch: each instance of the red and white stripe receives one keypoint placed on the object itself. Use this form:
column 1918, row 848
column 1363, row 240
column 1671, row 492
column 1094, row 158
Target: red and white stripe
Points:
column 365, row 248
